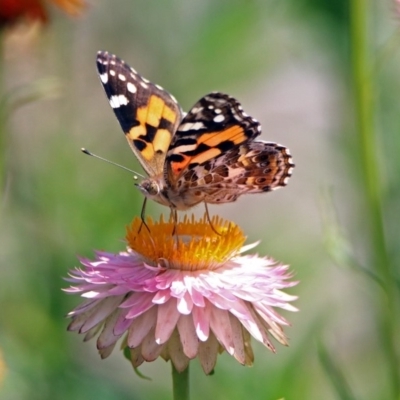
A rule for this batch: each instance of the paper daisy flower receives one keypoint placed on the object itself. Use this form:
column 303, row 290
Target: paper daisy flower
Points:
column 183, row 295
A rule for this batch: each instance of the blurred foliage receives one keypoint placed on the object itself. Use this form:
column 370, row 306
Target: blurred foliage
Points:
column 289, row 64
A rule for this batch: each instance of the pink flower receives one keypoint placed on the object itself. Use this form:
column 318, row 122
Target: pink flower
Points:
column 182, row 296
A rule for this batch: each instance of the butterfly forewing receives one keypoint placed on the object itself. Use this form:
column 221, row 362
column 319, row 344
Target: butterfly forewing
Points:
column 148, row 114
column 215, row 125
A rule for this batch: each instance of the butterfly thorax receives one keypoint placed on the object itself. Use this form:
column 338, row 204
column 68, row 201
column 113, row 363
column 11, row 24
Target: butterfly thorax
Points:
column 156, row 189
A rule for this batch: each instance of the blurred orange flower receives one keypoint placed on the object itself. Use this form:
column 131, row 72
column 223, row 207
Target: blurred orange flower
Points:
column 35, row 10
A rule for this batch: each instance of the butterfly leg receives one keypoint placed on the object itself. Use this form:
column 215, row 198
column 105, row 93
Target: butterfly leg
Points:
column 174, row 217
column 209, row 220
column 143, row 215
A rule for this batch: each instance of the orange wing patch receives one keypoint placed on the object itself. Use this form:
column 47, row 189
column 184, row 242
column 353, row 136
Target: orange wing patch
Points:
column 206, row 156
column 233, row 134
column 208, row 146
column 151, row 115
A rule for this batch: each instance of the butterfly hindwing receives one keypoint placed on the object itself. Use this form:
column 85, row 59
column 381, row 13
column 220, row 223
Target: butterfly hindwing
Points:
column 253, row 167
column 147, row 113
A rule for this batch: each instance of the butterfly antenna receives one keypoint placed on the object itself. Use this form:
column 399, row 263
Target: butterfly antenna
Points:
column 89, row 153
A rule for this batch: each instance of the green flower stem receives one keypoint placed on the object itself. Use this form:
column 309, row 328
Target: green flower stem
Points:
column 364, row 103
column 180, row 383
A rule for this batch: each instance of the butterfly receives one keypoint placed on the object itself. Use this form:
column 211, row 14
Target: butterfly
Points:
column 208, row 155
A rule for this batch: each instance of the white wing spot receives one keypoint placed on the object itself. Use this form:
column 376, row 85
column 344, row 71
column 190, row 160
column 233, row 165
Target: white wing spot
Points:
column 122, row 77
column 144, row 85
column 237, row 117
column 131, row 87
column 159, row 87
column 145, row 80
column 104, row 78
column 112, row 62
column 196, row 110
column 210, row 107
column 198, row 125
column 184, row 127
column 191, row 126
column 112, row 72
column 118, row 101
column 218, row 111
column 218, row 118
column 184, row 148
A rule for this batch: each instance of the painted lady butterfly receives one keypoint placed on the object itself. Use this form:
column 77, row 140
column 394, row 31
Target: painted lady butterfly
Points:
column 208, row 155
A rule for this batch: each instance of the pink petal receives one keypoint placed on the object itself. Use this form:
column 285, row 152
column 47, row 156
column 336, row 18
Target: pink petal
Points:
column 141, row 327
column 92, row 333
column 197, row 297
column 178, row 287
column 150, row 349
column 238, row 340
column 167, row 317
column 175, row 351
column 136, row 357
column 187, row 333
column 161, row 297
column 86, row 305
column 101, row 312
column 107, row 337
column 104, row 353
column 208, row 352
column 141, row 306
column 122, row 324
column 185, row 304
column 221, row 327
column 201, row 319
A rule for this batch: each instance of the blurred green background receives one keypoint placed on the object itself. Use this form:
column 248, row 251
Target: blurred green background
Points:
column 291, row 65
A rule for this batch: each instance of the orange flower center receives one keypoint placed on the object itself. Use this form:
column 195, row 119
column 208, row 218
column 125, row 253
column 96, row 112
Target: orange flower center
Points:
column 187, row 245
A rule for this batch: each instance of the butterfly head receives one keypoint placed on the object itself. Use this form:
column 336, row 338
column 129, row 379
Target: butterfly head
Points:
column 150, row 188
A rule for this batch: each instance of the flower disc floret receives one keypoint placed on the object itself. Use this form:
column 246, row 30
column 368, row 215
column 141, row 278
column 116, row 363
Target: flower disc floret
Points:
column 190, row 245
